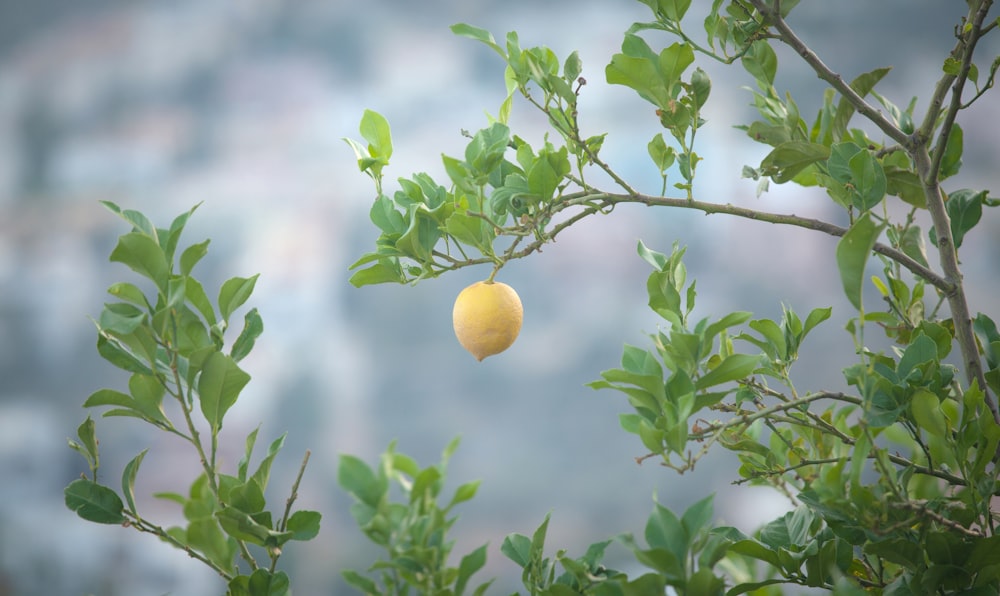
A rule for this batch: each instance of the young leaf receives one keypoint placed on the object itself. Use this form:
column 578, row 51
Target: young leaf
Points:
column 464, row 493
column 868, row 180
column 263, row 473
column 242, row 526
column 951, row 161
column 114, row 353
column 386, row 270
column 354, row 476
column 233, row 293
column 191, row 256
column 128, row 480
column 362, row 583
column 697, row 517
column 665, row 531
column 517, row 548
column 733, row 368
column 965, row 209
column 480, row 35
column 926, row 409
column 862, row 84
column 304, row 525
column 88, row 439
column 244, row 463
column 761, row 62
column 853, row 251
column 130, row 293
column 218, row 387
column 142, row 254
column 470, row 564
column 375, row 129
column 253, row 326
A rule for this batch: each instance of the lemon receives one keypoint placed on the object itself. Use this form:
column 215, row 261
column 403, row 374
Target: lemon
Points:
column 487, row 318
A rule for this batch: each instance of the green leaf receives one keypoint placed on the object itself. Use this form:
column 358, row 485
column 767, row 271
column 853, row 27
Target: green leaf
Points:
column 641, row 74
column 130, row 293
column 140, row 223
column 572, row 66
column 662, row 154
column 926, row 409
column 354, row 476
column 241, row 526
column 732, row 368
column 761, row 62
column 120, row 318
column 965, row 209
column 469, row 564
column 862, row 84
column 816, row 316
column 385, row 215
column 191, row 256
column 906, row 185
column 128, row 479
column 517, row 548
column 304, row 524
column 142, row 254
column 244, row 463
column 464, row 493
column 375, row 129
column 386, row 270
column 665, row 531
column 657, row 259
column 260, row 583
column 538, row 539
column 786, row 160
column 233, row 293
column 263, row 473
column 421, row 234
column 838, row 164
column 951, row 161
column 114, row 353
column 144, row 403
column 253, row 326
column 698, row 516
column 88, row 439
column 868, row 180
column 362, row 583
column 486, row 150
column 94, row 502
column 922, row 350
column 196, row 295
column 853, row 251
column 774, row 338
column 218, row 387
column 467, row 229
column 247, row 497
column 912, row 245
column 480, row 35
column 673, row 61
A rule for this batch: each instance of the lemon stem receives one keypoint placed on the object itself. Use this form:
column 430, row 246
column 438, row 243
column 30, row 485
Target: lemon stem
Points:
column 496, row 268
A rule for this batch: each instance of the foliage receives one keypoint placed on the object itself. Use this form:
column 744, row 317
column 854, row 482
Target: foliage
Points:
column 171, row 339
column 413, row 532
column 892, row 478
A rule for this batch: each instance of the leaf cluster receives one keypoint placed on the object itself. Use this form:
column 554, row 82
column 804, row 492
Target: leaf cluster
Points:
column 413, row 532
column 184, row 378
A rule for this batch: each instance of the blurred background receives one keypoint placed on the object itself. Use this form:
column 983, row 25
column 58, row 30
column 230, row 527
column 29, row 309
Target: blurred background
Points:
column 159, row 106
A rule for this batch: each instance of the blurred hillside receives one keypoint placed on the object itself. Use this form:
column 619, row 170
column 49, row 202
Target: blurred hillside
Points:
column 242, row 106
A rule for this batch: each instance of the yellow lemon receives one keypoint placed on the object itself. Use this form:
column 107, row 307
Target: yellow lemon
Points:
column 487, row 318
